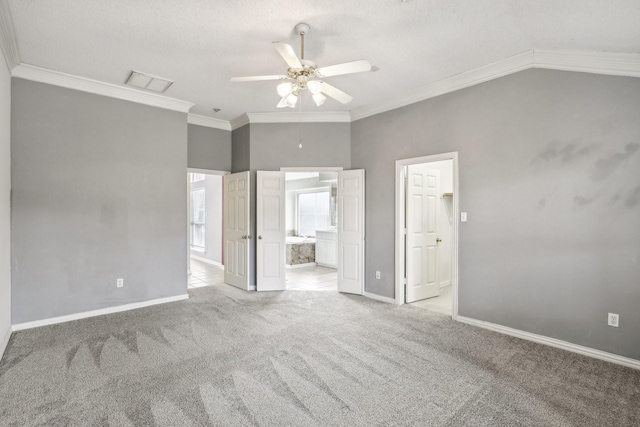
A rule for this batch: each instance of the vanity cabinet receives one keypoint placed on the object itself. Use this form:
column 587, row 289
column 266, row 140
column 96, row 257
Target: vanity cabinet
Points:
column 327, row 248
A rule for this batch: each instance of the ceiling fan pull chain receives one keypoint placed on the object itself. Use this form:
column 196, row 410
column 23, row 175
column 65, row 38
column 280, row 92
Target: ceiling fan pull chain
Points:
column 300, row 125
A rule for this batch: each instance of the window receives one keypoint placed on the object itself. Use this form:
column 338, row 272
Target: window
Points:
column 195, row 177
column 197, row 218
column 314, row 212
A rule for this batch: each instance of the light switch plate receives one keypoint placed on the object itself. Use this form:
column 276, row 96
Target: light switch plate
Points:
column 463, row 216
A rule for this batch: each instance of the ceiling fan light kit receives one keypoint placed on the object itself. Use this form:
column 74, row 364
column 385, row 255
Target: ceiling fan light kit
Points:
column 304, row 74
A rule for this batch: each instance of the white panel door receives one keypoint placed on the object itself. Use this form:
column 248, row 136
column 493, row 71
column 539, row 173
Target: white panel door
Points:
column 351, row 231
column 421, row 222
column 270, row 228
column 237, row 235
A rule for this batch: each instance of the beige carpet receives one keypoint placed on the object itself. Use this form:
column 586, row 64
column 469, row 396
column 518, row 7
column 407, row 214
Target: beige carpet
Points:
column 299, row 358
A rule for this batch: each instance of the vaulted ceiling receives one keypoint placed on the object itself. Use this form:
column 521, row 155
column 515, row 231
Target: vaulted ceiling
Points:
column 200, row 44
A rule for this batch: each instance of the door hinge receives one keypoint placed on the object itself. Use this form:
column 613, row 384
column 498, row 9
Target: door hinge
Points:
column 404, row 231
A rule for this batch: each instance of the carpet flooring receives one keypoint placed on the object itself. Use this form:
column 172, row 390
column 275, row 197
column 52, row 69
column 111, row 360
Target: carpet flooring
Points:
column 299, row 358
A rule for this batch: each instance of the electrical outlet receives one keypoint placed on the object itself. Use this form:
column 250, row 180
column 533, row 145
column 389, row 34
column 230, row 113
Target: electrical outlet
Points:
column 613, row 320
column 377, row 274
column 120, row 283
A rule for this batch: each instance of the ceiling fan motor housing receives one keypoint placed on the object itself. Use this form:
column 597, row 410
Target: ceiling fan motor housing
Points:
column 302, row 76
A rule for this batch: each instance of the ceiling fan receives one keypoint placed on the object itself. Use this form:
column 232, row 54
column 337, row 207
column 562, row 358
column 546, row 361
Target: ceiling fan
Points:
column 304, row 74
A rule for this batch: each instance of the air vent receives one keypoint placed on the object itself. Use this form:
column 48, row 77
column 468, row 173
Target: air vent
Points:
column 149, row 82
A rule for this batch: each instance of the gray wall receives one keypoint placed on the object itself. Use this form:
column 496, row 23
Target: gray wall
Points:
column 240, row 149
column 212, row 185
column 550, row 178
column 99, row 193
column 5, row 204
column 209, row 148
column 274, row 145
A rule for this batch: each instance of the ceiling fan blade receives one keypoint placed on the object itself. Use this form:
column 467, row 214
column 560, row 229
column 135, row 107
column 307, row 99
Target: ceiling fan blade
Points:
column 255, row 78
column 345, row 68
column 336, row 93
column 287, row 53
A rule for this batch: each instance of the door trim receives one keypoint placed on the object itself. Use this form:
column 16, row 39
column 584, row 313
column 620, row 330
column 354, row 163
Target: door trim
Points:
column 399, row 232
column 311, row 169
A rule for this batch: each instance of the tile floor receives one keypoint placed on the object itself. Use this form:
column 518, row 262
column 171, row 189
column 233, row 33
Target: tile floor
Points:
column 298, row 279
column 440, row 304
column 203, row 274
column 314, row 278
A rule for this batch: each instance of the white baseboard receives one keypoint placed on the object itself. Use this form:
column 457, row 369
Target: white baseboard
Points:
column 93, row 313
column 553, row 342
column 308, row 264
column 379, row 297
column 320, row 264
column 207, row 261
column 4, row 342
column 445, row 283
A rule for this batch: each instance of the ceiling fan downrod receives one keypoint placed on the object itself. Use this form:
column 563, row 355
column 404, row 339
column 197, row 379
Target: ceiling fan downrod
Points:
column 301, row 29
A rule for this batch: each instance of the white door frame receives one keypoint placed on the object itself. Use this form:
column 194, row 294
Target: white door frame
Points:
column 400, row 214
column 312, row 169
column 195, row 170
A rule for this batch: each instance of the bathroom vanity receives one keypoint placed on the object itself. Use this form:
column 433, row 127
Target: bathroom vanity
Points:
column 327, row 248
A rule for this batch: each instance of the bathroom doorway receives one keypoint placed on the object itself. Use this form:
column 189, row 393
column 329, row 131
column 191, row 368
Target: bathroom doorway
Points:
column 311, row 230
column 426, row 233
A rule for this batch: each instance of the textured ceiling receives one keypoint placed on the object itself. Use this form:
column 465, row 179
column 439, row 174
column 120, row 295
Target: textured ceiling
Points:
column 201, row 44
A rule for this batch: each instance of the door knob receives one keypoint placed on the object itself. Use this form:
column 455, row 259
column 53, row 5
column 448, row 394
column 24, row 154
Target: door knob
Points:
column 244, row 237
column 438, row 240
column 260, row 237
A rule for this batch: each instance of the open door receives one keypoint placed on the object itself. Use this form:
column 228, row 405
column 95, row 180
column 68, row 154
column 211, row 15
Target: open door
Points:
column 421, row 238
column 270, row 228
column 351, row 231
column 237, row 235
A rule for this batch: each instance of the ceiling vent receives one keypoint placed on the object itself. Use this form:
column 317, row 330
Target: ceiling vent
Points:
column 149, row 82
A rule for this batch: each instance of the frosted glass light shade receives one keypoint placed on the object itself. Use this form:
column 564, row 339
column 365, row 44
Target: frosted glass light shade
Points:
column 314, row 86
column 319, row 98
column 284, row 89
column 291, row 100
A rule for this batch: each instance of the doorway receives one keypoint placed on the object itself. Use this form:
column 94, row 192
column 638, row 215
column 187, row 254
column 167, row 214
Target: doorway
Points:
column 270, row 226
column 311, row 231
column 426, row 232
column 205, row 228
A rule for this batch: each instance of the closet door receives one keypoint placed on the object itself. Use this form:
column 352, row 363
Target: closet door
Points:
column 422, row 238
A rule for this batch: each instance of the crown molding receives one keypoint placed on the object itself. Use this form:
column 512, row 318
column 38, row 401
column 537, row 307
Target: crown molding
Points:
column 210, row 122
column 317, row 117
column 513, row 64
column 239, row 121
column 69, row 81
column 8, row 42
column 610, row 63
